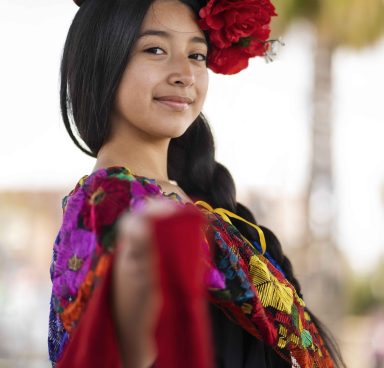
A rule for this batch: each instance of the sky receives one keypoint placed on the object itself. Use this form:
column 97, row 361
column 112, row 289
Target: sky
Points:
column 260, row 119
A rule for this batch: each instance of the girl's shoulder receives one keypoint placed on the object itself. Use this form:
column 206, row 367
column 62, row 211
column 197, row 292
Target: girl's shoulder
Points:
column 105, row 194
column 83, row 248
column 114, row 181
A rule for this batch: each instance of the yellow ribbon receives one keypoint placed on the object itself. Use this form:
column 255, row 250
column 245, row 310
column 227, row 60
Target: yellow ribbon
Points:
column 225, row 213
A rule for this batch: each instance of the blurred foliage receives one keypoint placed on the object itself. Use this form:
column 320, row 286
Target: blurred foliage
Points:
column 350, row 23
column 366, row 292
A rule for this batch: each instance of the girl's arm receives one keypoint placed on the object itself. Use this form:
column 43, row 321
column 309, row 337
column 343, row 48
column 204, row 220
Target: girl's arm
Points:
column 135, row 294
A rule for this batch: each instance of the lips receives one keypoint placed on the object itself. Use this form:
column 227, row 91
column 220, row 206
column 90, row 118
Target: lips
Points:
column 177, row 99
column 174, row 103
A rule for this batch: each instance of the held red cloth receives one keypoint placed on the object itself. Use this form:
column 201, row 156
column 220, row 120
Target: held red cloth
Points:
column 183, row 333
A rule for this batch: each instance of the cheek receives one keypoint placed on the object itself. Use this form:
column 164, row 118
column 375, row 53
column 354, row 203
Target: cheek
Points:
column 203, row 86
column 136, row 89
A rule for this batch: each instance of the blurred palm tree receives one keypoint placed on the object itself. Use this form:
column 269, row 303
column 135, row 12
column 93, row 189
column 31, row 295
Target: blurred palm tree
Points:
column 335, row 24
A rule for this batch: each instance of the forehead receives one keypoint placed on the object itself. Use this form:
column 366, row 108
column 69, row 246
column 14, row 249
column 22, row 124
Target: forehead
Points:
column 172, row 16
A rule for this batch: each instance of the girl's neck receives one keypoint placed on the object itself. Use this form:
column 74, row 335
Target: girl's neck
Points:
column 143, row 160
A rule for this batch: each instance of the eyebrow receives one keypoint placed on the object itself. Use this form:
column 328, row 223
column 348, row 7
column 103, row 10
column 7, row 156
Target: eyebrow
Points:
column 156, row 32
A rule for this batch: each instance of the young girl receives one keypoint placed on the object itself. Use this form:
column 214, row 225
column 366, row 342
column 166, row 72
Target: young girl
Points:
column 134, row 77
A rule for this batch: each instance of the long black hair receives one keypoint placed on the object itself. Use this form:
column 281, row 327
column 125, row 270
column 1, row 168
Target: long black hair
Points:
column 95, row 55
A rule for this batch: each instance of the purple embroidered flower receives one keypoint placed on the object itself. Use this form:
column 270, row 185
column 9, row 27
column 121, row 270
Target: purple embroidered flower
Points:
column 72, row 210
column 73, row 261
column 137, row 189
column 75, row 201
column 140, row 194
column 152, row 188
column 215, row 279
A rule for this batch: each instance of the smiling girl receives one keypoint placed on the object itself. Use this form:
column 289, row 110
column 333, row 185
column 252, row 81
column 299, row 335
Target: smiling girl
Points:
column 156, row 263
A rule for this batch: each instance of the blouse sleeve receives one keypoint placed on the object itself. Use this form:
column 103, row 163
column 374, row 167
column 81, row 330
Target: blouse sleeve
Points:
column 81, row 331
column 83, row 250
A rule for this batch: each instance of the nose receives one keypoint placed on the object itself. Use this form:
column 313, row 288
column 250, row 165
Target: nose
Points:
column 182, row 73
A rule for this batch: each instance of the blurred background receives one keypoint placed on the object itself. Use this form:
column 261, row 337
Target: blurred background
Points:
column 302, row 137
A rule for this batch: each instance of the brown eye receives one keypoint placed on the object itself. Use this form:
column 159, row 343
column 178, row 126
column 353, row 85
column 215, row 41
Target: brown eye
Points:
column 195, row 56
column 152, row 50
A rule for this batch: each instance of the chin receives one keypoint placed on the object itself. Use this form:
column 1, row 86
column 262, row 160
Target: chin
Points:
column 177, row 133
column 176, row 130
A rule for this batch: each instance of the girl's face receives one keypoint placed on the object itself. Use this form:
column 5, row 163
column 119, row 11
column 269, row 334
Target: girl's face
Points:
column 167, row 62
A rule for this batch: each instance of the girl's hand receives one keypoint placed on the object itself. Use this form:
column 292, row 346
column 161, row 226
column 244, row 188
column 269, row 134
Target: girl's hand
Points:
column 136, row 293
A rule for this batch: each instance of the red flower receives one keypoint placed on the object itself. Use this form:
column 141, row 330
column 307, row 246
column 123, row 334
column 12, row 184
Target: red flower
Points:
column 109, row 197
column 238, row 30
column 232, row 60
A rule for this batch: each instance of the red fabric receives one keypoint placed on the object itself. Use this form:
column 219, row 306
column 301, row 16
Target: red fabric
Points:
column 183, row 333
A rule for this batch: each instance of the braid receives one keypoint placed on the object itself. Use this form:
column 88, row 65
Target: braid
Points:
column 191, row 162
column 193, row 154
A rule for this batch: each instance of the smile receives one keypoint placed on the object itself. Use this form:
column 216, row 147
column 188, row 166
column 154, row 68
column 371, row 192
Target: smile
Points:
column 173, row 105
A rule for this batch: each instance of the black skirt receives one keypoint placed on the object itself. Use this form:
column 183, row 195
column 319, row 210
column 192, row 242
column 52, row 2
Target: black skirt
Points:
column 236, row 348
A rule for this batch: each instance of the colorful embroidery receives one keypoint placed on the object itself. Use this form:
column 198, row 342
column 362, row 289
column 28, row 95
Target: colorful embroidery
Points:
column 243, row 279
column 275, row 312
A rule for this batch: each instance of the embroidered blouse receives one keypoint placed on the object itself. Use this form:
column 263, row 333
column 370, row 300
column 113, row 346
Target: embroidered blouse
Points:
column 251, row 301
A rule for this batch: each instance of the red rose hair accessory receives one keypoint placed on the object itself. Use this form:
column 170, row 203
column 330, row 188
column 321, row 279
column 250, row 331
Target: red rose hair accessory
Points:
column 238, row 30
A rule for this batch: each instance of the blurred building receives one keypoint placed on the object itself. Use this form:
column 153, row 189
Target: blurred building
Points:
column 29, row 222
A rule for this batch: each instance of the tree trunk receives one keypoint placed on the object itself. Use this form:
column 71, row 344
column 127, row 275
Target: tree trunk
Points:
column 320, row 185
column 322, row 280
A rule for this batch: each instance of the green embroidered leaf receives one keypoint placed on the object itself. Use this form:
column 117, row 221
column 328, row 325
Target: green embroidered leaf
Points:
column 306, row 338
